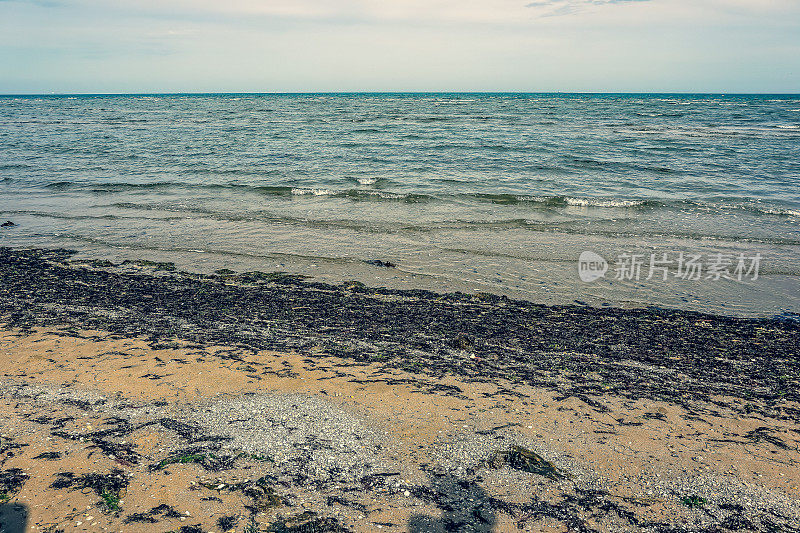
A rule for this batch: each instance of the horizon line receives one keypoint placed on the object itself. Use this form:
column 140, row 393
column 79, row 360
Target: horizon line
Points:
column 301, row 93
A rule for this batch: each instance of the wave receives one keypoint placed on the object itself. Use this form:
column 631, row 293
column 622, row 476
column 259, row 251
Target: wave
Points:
column 67, row 216
column 378, row 194
column 594, row 164
column 548, row 202
column 656, row 114
column 341, row 260
column 96, row 187
column 110, row 187
column 781, row 212
column 564, row 201
column 760, row 210
column 594, row 202
column 231, row 253
column 193, row 214
column 314, row 191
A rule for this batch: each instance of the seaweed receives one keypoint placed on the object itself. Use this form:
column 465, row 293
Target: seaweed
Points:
column 226, row 523
column 64, row 480
column 379, row 263
column 205, row 458
column 110, row 500
column 764, row 434
column 107, row 486
column 307, row 522
column 520, row 458
column 11, row 481
column 190, row 529
column 122, row 453
column 163, row 510
column 689, row 359
column 693, row 501
column 8, row 445
column 180, row 459
column 261, row 494
column 155, row 265
column 269, row 277
column 685, row 358
column 50, row 456
column 189, row 432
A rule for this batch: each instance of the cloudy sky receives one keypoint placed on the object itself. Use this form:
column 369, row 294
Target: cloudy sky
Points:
column 406, row 45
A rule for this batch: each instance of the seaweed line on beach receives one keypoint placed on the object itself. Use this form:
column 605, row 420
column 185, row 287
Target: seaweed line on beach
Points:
column 686, row 358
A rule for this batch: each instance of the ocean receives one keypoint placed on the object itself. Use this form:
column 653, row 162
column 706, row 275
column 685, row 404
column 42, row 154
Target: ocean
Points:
column 496, row 193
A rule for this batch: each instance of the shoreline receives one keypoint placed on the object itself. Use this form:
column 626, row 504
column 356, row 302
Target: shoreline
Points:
column 278, row 402
column 481, row 336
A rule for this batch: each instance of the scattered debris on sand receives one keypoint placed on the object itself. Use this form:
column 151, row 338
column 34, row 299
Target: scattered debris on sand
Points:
column 134, row 394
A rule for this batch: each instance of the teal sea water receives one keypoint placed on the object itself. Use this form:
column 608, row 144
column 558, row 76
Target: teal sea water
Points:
column 474, row 192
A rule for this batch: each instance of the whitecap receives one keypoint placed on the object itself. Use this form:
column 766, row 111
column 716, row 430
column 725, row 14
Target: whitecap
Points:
column 315, row 192
column 782, row 212
column 594, row 202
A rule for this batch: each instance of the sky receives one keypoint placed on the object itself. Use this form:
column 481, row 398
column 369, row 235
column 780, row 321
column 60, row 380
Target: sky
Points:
column 124, row 46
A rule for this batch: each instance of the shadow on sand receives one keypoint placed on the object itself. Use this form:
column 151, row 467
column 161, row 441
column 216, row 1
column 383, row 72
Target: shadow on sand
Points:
column 13, row 518
column 465, row 508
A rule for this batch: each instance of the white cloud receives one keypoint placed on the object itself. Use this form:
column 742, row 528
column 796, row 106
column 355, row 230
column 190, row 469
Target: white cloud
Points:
column 210, row 45
column 420, row 11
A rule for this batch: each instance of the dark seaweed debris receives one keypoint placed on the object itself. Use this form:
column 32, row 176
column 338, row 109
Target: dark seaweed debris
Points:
column 676, row 356
column 205, row 458
column 163, row 511
column 11, row 481
column 192, row 433
column 123, row 453
column 379, row 263
column 307, row 522
column 261, row 494
column 50, row 456
column 7, row 447
column 523, row 459
column 107, row 486
column 190, row 529
column 465, row 506
column 693, row 501
column 226, row 523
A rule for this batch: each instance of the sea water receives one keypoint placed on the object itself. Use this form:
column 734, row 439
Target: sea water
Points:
column 497, row 193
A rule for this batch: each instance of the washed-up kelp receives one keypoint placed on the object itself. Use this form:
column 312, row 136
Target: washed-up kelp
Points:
column 675, row 356
column 523, row 459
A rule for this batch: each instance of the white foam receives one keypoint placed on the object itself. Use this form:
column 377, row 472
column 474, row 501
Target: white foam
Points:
column 316, row 192
column 536, row 199
column 783, row 212
column 386, row 195
column 593, row 202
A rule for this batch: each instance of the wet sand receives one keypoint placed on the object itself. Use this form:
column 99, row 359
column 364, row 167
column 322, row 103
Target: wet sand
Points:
column 148, row 424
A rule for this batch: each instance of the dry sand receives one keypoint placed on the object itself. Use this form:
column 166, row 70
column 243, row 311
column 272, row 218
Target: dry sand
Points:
column 283, row 442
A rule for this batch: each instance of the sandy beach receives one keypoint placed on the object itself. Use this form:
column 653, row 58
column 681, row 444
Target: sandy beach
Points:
column 139, row 398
